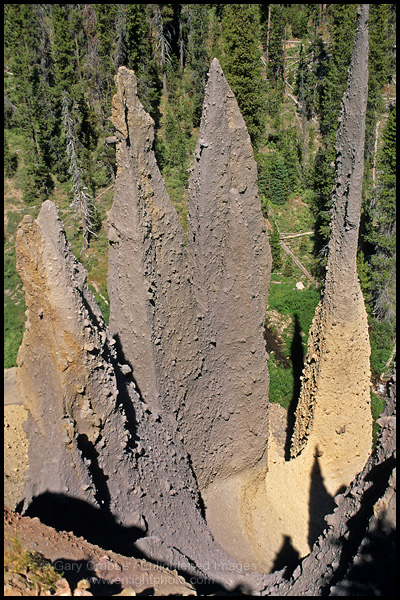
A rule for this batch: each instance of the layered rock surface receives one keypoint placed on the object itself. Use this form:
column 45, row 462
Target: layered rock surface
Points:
column 333, row 415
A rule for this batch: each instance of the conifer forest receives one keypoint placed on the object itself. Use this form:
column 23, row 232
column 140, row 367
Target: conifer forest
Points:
column 287, row 65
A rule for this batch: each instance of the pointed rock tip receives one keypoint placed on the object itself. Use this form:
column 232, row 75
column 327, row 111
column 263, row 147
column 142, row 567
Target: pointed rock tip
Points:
column 215, row 66
column 48, row 206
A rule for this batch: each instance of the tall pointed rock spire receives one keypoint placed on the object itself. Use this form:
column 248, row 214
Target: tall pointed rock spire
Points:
column 230, row 265
column 333, row 414
column 150, row 305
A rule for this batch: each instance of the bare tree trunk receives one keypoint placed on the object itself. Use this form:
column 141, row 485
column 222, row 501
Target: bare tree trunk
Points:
column 268, row 31
column 375, row 151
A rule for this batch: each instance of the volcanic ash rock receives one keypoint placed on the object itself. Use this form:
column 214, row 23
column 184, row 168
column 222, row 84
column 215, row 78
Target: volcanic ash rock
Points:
column 65, row 372
column 333, row 413
column 230, row 266
column 93, row 442
column 151, row 313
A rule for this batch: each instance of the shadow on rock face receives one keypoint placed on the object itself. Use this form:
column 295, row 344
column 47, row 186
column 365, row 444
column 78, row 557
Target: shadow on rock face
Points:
column 297, row 358
column 287, row 558
column 95, row 525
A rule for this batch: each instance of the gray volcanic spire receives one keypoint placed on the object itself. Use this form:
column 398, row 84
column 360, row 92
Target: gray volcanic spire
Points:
column 65, row 368
column 92, row 440
column 151, row 312
column 230, row 265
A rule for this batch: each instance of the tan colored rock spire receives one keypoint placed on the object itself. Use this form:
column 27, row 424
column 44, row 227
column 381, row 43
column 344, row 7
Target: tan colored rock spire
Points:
column 333, row 413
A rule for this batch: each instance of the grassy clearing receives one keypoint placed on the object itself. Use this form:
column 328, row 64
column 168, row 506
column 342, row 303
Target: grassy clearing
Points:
column 298, row 306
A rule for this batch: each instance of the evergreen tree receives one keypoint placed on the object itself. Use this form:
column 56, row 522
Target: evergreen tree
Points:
column 10, row 159
column 378, row 67
column 63, row 48
column 106, row 17
column 275, row 248
column 343, row 31
column 29, row 92
column 198, row 59
column 311, row 73
column 141, row 58
column 279, row 180
column 82, row 200
column 275, row 42
column 242, row 65
column 343, row 23
column 382, row 227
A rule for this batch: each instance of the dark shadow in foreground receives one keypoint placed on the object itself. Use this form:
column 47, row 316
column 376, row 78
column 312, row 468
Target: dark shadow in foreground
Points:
column 100, row 528
column 97, row 526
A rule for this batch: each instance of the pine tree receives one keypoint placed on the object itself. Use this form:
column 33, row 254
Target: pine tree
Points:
column 198, row 59
column 275, row 248
column 82, row 200
column 106, row 17
column 382, row 227
column 275, row 42
column 242, row 65
column 64, row 55
column 378, row 67
column 332, row 87
column 279, row 180
column 141, row 57
column 343, row 30
column 29, row 92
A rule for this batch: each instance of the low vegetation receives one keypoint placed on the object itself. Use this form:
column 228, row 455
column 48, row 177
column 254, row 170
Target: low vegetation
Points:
column 29, row 570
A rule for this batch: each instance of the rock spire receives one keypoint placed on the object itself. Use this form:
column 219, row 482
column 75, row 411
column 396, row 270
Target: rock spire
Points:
column 230, row 266
column 151, row 313
column 190, row 323
column 333, row 413
column 93, row 442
